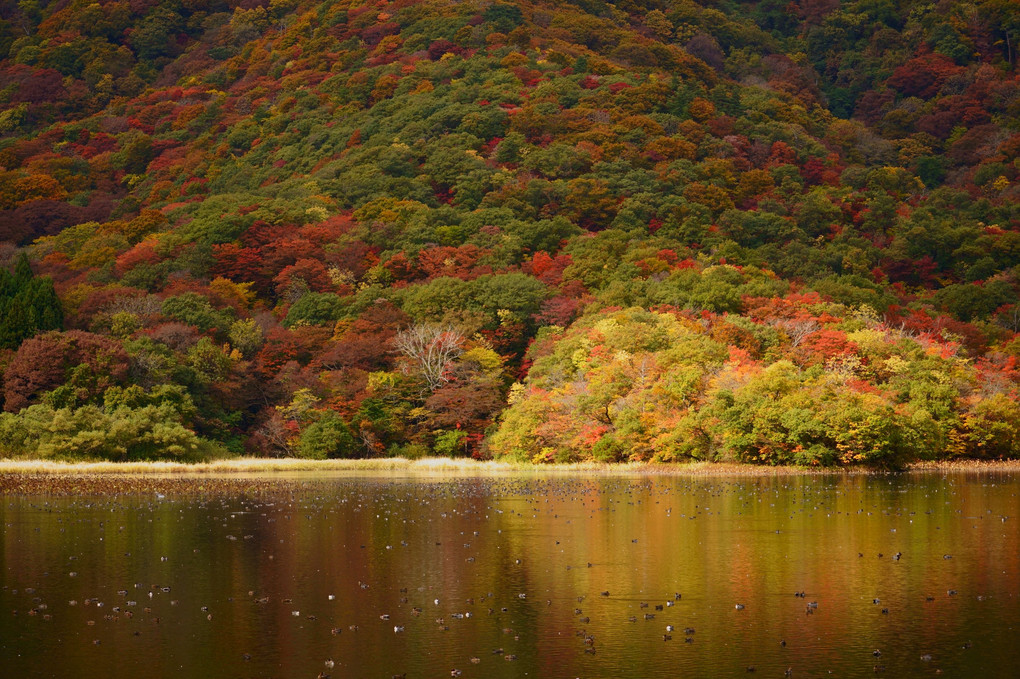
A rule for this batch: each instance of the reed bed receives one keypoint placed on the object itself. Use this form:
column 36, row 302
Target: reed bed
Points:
column 440, row 465
column 248, row 465
column 966, row 466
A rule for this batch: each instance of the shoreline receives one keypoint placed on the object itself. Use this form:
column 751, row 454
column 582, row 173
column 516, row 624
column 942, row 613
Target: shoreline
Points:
column 460, row 466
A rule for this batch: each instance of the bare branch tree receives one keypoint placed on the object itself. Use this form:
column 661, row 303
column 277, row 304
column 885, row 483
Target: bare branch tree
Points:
column 1009, row 317
column 430, row 348
column 274, row 436
column 797, row 328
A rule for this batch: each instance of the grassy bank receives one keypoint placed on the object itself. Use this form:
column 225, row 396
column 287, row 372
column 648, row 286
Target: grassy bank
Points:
column 247, row 465
column 459, row 466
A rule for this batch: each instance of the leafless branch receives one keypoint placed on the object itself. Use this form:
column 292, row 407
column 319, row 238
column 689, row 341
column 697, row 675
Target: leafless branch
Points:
column 430, row 348
column 797, row 328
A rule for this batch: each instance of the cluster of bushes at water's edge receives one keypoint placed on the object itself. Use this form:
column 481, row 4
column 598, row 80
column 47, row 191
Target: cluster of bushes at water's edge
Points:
column 838, row 387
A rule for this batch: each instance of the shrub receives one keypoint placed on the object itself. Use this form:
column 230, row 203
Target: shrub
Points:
column 327, row 437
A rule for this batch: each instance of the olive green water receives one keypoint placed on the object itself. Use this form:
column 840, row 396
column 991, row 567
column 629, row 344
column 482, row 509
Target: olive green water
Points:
column 384, row 575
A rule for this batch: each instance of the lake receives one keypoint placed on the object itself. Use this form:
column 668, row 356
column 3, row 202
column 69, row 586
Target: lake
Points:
column 388, row 574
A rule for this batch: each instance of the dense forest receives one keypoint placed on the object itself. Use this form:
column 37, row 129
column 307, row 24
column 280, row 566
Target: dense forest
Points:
column 664, row 230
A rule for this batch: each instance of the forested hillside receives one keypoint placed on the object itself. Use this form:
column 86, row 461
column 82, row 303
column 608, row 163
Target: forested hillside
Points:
column 775, row 232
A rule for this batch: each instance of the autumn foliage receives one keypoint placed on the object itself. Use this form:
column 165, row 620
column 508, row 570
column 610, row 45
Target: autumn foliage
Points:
column 636, row 230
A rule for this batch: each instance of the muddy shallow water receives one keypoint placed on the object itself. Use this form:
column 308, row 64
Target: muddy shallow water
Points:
column 382, row 574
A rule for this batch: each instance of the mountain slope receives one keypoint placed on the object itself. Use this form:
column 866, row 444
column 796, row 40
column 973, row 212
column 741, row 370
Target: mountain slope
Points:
column 255, row 203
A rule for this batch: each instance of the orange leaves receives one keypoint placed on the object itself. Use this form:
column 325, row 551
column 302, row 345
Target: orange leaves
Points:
column 670, row 148
column 303, row 275
column 711, row 196
column 738, row 339
column 794, row 305
column 590, row 434
column 590, row 204
column 741, row 358
column 701, row 110
column 782, row 154
column 25, row 189
column 456, row 262
column 754, row 183
column 384, row 87
column 825, row 344
column 547, row 268
column 234, row 261
column 142, row 253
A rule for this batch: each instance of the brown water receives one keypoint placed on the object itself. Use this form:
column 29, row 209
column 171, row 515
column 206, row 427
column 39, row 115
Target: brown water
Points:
column 508, row 574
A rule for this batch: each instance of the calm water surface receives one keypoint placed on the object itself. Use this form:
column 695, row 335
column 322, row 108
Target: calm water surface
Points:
column 542, row 576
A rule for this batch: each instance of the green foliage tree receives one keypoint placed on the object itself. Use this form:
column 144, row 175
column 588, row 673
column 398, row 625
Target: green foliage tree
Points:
column 327, row 437
column 28, row 304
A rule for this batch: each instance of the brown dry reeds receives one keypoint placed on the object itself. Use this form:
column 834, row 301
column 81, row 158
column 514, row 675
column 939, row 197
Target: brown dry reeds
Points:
column 427, row 466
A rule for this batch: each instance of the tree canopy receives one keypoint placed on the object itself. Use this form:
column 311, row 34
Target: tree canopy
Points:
column 719, row 230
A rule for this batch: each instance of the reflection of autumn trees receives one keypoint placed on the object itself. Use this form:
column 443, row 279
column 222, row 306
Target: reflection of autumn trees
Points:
column 753, row 540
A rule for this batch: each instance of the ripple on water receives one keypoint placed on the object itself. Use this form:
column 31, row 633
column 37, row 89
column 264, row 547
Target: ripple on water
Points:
column 384, row 575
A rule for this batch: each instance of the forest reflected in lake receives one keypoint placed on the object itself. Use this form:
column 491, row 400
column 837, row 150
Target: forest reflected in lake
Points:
column 385, row 574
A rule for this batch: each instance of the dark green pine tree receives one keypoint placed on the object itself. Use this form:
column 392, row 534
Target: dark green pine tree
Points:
column 51, row 317
column 22, row 272
column 27, row 305
column 15, row 325
column 7, row 288
column 42, row 299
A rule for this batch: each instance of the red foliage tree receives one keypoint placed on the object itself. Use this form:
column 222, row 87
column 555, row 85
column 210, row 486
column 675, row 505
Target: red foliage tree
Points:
column 308, row 273
column 99, row 301
column 355, row 256
column 546, row 268
column 367, row 342
column 283, row 346
column 175, row 335
column 467, row 404
column 236, row 262
column 29, row 221
column 923, row 75
column 142, row 253
column 559, row 310
column 440, row 47
column 44, row 362
column 460, row 262
column 401, row 267
column 824, row 344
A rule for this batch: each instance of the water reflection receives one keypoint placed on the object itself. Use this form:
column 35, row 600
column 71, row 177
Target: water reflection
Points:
column 505, row 577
